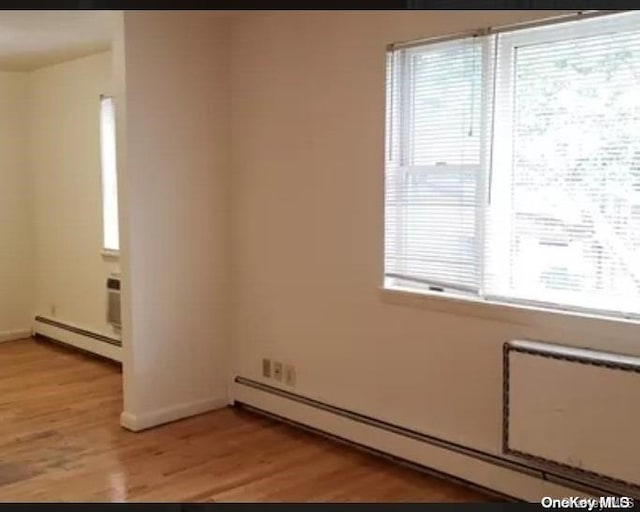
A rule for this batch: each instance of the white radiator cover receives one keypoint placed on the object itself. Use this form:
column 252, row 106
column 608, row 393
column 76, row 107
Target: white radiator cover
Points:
column 573, row 409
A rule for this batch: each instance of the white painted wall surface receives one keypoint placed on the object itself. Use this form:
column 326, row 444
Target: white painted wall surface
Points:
column 64, row 161
column 16, row 233
column 174, row 191
column 307, row 235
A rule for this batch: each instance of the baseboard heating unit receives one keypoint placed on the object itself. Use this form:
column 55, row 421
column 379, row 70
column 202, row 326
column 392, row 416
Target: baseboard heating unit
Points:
column 78, row 337
column 505, row 474
column 575, row 412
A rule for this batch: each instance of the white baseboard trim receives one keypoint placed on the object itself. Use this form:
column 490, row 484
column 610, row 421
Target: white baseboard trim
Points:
column 480, row 472
column 138, row 422
column 77, row 340
column 15, row 334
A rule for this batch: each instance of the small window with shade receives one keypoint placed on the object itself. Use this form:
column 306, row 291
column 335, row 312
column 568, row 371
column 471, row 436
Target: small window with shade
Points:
column 111, row 239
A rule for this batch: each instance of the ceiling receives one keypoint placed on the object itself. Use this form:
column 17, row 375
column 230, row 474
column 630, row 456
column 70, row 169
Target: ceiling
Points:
column 33, row 39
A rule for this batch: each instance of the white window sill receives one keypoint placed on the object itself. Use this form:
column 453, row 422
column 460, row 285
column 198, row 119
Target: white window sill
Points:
column 511, row 313
column 110, row 254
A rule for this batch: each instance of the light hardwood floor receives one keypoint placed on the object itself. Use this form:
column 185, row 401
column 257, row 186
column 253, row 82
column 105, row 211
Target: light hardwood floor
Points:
column 60, row 440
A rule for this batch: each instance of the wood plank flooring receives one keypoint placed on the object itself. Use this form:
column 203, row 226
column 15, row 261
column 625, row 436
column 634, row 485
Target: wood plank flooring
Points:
column 60, row 440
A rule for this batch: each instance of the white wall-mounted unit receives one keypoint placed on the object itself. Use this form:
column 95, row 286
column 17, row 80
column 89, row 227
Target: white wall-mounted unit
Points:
column 574, row 411
column 113, row 301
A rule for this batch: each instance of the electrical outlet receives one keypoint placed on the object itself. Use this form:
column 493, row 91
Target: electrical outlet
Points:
column 277, row 370
column 289, row 375
column 266, row 368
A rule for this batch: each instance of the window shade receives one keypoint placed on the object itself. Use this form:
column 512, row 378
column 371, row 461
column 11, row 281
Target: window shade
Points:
column 513, row 165
column 109, row 176
column 571, row 219
column 436, row 152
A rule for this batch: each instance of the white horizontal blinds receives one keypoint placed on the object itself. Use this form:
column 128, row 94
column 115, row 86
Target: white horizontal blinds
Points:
column 435, row 152
column 566, row 218
column 551, row 215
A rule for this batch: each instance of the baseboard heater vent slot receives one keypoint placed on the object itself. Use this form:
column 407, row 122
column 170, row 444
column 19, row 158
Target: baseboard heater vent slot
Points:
column 574, row 412
column 77, row 330
column 512, row 463
column 79, row 338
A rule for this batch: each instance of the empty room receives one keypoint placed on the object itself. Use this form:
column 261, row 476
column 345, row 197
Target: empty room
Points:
column 320, row 256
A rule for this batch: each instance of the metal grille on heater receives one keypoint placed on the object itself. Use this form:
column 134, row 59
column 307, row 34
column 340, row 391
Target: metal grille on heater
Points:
column 113, row 301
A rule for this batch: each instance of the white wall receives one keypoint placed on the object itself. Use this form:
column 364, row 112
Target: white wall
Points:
column 307, row 227
column 64, row 160
column 16, row 234
column 174, row 197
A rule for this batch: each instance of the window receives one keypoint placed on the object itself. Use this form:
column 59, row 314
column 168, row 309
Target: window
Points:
column 109, row 177
column 513, row 166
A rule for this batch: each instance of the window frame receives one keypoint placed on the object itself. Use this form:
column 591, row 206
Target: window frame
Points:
column 407, row 168
column 547, row 31
column 108, row 252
